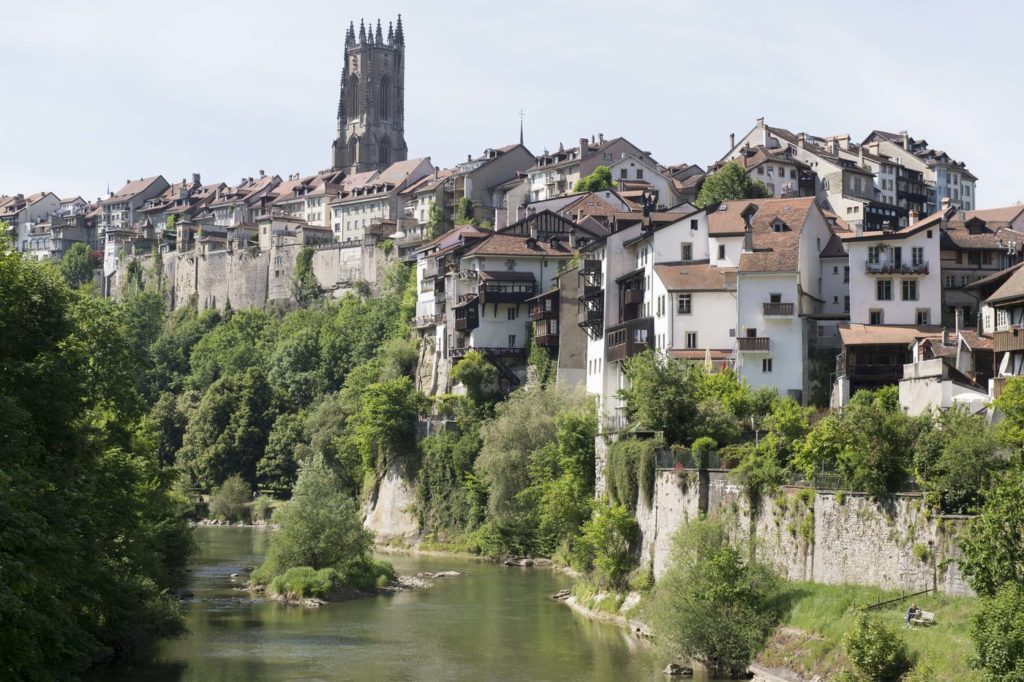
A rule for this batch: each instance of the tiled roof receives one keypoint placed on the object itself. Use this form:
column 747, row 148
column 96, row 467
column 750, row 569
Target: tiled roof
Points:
column 396, row 173
column 854, row 334
column 516, row 245
column 131, row 189
column 505, row 276
column 699, row 276
column 834, row 248
column 776, row 251
column 1012, row 289
column 976, row 341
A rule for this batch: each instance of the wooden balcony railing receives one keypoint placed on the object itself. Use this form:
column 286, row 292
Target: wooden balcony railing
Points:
column 753, row 343
column 628, row 339
column 1009, row 340
column 632, row 296
column 547, row 340
column 778, row 309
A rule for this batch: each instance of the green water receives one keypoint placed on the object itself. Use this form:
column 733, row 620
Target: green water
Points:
column 494, row 623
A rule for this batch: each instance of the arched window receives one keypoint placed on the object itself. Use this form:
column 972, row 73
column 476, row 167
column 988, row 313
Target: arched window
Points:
column 385, row 92
column 384, row 152
column 353, row 145
column 352, row 99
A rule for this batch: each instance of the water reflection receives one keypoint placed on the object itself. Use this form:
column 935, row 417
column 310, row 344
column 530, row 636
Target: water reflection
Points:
column 493, row 623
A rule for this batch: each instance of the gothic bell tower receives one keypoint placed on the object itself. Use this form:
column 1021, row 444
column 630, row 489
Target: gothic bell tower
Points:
column 371, row 106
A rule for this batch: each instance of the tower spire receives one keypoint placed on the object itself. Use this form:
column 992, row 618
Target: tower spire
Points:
column 379, row 38
column 391, row 33
column 350, row 35
column 399, row 35
column 362, row 32
column 522, row 115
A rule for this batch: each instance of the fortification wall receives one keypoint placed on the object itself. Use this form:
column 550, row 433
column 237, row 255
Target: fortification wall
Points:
column 820, row 536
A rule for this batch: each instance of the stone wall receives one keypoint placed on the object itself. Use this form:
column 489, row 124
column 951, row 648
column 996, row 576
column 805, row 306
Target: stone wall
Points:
column 390, row 512
column 820, row 536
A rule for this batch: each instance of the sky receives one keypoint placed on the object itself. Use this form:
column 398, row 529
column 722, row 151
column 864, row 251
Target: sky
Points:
column 100, row 92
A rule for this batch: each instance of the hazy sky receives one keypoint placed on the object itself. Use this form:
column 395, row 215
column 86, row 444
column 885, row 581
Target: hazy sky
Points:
column 97, row 92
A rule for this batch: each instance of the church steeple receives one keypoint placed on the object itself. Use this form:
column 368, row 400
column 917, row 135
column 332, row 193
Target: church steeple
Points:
column 371, row 106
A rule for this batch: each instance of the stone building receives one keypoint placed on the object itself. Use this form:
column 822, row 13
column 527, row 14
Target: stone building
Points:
column 371, row 105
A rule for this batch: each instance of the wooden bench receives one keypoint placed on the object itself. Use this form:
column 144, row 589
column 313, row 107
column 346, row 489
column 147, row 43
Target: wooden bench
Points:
column 923, row 618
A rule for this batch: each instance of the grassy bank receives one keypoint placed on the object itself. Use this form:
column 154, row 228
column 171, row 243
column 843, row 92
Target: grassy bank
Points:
column 810, row 639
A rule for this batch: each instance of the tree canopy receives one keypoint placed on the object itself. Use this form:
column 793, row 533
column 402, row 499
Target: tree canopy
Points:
column 600, row 179
column 729, row 182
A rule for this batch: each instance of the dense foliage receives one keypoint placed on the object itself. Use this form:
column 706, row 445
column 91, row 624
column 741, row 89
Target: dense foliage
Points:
column 600, row 179
column 876, row 649
column 81, row 579
column 711, row 605
column 997, row 629
column 727, row 183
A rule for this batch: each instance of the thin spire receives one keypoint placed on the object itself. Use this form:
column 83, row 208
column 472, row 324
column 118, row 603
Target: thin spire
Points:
column 362, row 32
column 399, row 34
column 379, row 39
column 391, row 33
column 350, row 35
column 522, row 115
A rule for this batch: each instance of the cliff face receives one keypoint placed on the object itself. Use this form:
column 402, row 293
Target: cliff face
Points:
column 390, row 510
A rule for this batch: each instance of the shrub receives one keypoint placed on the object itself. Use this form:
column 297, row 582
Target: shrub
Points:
column 922, row 553
column 605, row 546
column 876, row 649
column 262, row 508
column 997, row 629
column 230, row 500
column 303, row 581
column 711, row 605
column 629, row 471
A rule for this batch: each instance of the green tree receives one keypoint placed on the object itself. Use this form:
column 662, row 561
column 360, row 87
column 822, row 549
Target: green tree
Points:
column 605, row 547
column 997, row 629
column 305, row 287
column 230, row 500
column 660, row 396
column 993, row 542
column 599, row 180
column 727, row 183
column 287, row 446
column 478, row 376
column 68, row 409
column 78, row 265
column 711, row 605
column 384, row 429
column 320, row 528
column 465, row 212
column 437, row 224
column 957, row 459
column 876, row 649
column 1010, row 404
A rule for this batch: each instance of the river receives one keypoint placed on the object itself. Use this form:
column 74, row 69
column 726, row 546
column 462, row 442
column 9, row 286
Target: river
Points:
column 493, row 623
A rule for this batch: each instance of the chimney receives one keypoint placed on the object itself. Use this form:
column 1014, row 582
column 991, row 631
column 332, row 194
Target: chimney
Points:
column 732, row 140
column 945, row 204
column 858, row 229
column 195, row 179
column 905, row 138
column 261, row 173
column 912, row 217
column 844, row 142
column 945, row 337
column 800, row 140
column 584, row 147
column 437, row 170
column 860, row 154
column 958, row 320
column 469, row 157
column 533, row 230
column 600, row 138
column 572, row 238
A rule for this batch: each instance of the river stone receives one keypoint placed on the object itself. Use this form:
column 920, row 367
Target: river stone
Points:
column 561, row 594
column 676, row 670
column 447, row 574
column 526, row 562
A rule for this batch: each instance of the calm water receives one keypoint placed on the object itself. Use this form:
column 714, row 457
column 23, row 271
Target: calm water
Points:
column 494, row 623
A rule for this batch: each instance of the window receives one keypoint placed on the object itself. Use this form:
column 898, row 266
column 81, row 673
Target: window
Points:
column 986, row 258
column 639, row 174
column 923, row 316
column 511, row 340
column 624, row 174
column 721, row 252
column 875, row 317
column 873, row 254
column 684, row 305
column 950, row 281
column 883, row 290
column 513, row 313
column 775, row 298
column 846, row 304
column 766, row 365
column 964, row 280
column 687, row 251
column 846, row 273
column 917, row 255
column 909, row 290
column 835, row 269
column 693, row 224
column 1002, row 319
column 760, row 170
column 691, row 340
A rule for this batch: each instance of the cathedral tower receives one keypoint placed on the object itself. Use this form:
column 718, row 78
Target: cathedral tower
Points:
column 371, row 107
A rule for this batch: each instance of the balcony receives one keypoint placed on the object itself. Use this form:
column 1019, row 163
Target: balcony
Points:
column 502, row 292
column 431, row 269
column 1009, row 340
column 628, row 339
column 588, row 316
column 547, row 340
column 896, row 268
column 590, row 266
column 778, row 309
column 426, row 321
column 632, row 296
column 592, row 291
column 539, row 312
column 753, row 344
